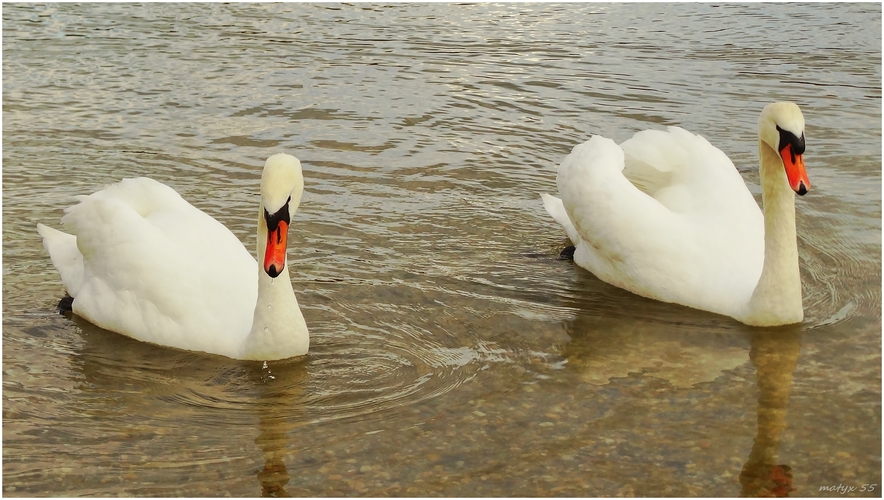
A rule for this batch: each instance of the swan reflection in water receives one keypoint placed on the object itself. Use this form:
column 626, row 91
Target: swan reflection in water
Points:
column 774, row 353
column 275, row 423
column 617, row 333
column 678, row 345
column 174, row 402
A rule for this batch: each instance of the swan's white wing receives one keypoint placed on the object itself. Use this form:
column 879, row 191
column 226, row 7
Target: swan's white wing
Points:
column 159, row 270
column 613, row 218
column 708, row 191
column 684, row 172
column 692, row 234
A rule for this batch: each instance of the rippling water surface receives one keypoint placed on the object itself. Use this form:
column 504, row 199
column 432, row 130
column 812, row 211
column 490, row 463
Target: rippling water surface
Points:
column 452, row 352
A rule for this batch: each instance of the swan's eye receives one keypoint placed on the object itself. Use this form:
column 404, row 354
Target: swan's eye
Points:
column 274, row 219
column 789, row 139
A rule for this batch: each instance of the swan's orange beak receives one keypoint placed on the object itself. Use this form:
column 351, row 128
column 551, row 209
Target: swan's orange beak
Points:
column 795, row 171
column 274, row 254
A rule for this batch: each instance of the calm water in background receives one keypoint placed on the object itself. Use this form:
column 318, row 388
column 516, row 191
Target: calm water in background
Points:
column 452, row 353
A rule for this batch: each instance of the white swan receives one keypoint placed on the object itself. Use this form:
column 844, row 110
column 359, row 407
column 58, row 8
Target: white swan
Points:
column 143, row 262
column 667, row 216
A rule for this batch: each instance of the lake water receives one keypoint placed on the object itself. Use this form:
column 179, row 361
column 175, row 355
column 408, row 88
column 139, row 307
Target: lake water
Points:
column 452, row 353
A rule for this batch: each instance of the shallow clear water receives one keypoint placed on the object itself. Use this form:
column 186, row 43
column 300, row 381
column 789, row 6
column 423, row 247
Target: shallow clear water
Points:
column 452, row 352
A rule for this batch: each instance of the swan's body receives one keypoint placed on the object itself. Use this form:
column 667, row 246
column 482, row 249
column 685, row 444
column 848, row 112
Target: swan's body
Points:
column 141, row 261
column 667, row 216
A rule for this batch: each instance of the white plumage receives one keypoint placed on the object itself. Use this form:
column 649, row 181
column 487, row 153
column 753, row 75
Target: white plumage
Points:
column 667, row 216
column 143, row 262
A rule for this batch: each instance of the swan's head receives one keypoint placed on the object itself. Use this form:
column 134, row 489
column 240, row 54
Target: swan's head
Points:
column 281, row 187
column 781, row 126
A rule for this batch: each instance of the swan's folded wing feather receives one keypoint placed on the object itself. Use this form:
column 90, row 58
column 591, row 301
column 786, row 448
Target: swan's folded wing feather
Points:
column 686, row 173
column 65, row 256
column 556, row 210
column 618, row 222
column 705, row 186
column 134, row 284
column 693, row 229
column 160, row 270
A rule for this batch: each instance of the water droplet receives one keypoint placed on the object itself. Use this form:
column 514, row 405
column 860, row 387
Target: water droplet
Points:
column 266, row 329
column 265, row 363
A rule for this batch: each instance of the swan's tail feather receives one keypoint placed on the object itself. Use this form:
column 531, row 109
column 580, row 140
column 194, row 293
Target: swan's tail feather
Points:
column 556, row 209
column 66, row 257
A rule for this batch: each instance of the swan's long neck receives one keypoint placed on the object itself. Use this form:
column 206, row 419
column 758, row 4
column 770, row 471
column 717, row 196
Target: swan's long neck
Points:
column 777, row 297
column 278, row 327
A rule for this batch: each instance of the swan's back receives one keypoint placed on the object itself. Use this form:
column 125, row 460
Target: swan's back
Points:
column 155, row 268
column 665, row 215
